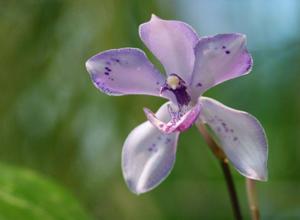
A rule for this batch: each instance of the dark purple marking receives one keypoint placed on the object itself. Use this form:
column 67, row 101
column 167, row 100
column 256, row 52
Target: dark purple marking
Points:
column 231, row 130
column 108, row 69
column 181, row 94
column 235, row 139
column 107, row 62
column 153, row 145
column 227, row 52
column 157, row 83
column 115, row 60
column 161, row 125
column 112, row 79
column 150, row 149
column 106, row 73
column 223, row 47
column 225, row 127
column 199, row 84
column 98, row 83
column 182, row 97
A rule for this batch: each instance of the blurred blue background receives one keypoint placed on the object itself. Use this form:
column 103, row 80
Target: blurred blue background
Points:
column 54, row 123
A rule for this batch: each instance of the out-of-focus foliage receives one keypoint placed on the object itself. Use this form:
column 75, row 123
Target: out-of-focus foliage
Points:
column 53, row 121
column 25, row 195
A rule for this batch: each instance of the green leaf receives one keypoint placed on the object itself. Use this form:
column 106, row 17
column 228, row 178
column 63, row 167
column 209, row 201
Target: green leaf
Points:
column 26, row 195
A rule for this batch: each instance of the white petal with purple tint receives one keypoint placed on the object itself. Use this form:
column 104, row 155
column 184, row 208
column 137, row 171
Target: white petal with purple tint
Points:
column 148, row 155
column 178, row 123
column 240, row 135
column 124, row 71
column 219, row 58
column 172, row 42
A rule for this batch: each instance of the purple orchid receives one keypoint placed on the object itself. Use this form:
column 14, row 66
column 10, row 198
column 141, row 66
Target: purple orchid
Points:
column 192, row 66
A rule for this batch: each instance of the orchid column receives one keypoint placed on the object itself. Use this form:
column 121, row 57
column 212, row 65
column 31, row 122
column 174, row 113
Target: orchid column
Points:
column 192, row 65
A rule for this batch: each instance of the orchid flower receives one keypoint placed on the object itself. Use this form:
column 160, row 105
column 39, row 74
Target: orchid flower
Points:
column 192, row 65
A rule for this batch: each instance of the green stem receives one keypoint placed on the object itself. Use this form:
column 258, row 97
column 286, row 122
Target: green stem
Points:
column 218, row 152
column 252, row 199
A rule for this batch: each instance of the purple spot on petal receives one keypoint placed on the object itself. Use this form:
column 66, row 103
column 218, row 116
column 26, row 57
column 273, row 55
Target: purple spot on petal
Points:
column 153, row 145
column 115, row 60
column 227, row 52
column 106, row 73
column 223, row 47
column 235, row 139
column 199, row 84
column 231, row 130
column 150, row 149
column 107, row 62
column 161, row 125
column 108, row 69
column 168, row 140
column 157, row 83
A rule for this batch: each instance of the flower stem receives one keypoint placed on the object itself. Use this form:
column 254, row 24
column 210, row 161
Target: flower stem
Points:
column 252, row 199
column 218, row 152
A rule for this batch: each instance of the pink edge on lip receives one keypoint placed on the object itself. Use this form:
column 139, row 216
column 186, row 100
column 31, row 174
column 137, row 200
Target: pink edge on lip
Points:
column 182, row 124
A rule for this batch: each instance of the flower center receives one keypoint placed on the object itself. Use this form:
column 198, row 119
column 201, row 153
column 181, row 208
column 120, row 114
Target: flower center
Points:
column 177, row 86
column 173, row 82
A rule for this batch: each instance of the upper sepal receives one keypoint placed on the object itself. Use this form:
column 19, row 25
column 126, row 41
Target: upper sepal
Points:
column 172, row 42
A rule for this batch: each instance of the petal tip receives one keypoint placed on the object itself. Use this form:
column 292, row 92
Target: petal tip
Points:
column 256, row 175
column 132, row 187
column 263, row 178
column 153, row 17
column 88, row 65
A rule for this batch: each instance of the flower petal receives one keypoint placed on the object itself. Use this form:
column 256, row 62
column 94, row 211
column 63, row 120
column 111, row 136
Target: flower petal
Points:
column 172, row 42
column 219, row 58
column 148, row 155
column 182, row 123
column 240, row 135
column 124, row 71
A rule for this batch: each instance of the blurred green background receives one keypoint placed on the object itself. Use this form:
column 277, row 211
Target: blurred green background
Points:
column 61, row 139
